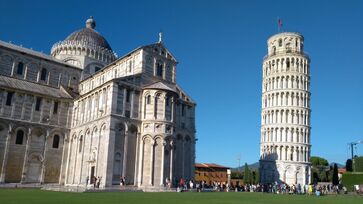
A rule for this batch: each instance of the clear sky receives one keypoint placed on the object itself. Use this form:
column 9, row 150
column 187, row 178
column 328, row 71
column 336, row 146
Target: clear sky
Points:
column 220, row 46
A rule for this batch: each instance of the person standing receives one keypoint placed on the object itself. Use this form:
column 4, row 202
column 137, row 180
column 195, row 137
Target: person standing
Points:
column 94, row 182
column 98, row 182
column 87, row 179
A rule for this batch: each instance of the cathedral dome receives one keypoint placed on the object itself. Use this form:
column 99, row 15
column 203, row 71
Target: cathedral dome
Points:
column 82, row 44
column 89, row 35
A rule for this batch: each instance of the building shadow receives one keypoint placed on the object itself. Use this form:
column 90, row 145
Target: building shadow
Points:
column 269, row 169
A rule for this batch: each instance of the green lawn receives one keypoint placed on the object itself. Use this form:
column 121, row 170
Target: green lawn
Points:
column 25, row 196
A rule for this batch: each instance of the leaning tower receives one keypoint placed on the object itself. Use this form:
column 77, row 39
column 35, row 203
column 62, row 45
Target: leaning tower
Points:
column 285, row 116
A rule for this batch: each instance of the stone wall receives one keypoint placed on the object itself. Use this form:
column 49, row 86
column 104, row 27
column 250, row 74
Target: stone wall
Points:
column 56, row 73
column 30, row 153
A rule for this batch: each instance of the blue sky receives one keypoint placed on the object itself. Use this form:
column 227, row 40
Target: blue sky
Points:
column 220, row 46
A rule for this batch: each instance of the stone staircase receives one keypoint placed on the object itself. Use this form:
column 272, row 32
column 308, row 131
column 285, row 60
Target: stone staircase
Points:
column 89, row 188
column 20, row 185
column 81, row 189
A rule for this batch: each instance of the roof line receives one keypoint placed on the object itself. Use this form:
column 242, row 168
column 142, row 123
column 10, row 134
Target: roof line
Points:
column 34, row 53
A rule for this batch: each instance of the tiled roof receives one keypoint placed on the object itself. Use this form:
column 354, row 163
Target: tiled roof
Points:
column 210, row 165
column 32, row 87
column 342, row 170
column 34, row 53
column 89, row 35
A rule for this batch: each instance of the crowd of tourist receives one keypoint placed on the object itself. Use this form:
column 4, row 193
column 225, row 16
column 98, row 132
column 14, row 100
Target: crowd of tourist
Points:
column 277, row 188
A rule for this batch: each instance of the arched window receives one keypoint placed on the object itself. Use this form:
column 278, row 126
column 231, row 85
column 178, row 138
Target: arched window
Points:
column 43, row 74
column 273, row 50
column 156, row 107
column 167, row 100
column 288, row 47
column 159, row 70
column 19, row 137
column 80, row 144
column 55, row 141
column 183, row 110
column 148, row 99
column 128, row 94
column 20, row 68
column 9, row 98
column 280, row 42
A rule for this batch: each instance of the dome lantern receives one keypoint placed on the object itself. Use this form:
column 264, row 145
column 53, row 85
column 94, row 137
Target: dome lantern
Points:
column 91, row 23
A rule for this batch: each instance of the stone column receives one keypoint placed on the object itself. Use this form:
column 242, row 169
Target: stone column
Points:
column 124, row 160
column 68, row 158
column 152, row 162
column 25, row 162
column 124, row 102
column 23, row 107
column 137, row 153
column 97, row 98
column 171, row 162
column 59, row 80
column 13, row 104
column 6, row 152
column 42, row 177
column 304, row 177
column 91, row 158
column 162, row 164
column 172, row 109
column 107, row 158
column 289, row 153
column 141, row 154
column 61, row 180
column 12, row 68
column 76, row 146
column 82, row 157
column 132, row 104
column 98, row 150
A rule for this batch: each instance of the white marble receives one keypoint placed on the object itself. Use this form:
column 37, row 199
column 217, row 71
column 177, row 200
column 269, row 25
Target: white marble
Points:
column 285, row 117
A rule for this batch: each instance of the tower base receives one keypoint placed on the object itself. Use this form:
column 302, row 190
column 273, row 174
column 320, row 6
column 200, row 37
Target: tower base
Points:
column 288, row 172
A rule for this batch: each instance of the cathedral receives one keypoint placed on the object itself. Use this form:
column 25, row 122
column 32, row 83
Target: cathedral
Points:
column 83, row 113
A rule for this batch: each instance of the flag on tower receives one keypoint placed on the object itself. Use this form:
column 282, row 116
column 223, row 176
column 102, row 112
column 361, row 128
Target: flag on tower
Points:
column 279, row 23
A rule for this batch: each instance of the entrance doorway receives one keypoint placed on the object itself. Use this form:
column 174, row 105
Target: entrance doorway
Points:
column 92, row 174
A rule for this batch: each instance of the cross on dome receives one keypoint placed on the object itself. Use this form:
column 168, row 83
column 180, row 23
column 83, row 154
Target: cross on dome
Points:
column 160, row 37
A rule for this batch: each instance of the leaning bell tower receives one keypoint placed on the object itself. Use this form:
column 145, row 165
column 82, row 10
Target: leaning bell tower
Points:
column 285, row 116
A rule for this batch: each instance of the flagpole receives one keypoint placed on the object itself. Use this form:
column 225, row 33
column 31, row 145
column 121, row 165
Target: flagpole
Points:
column 278, row 24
